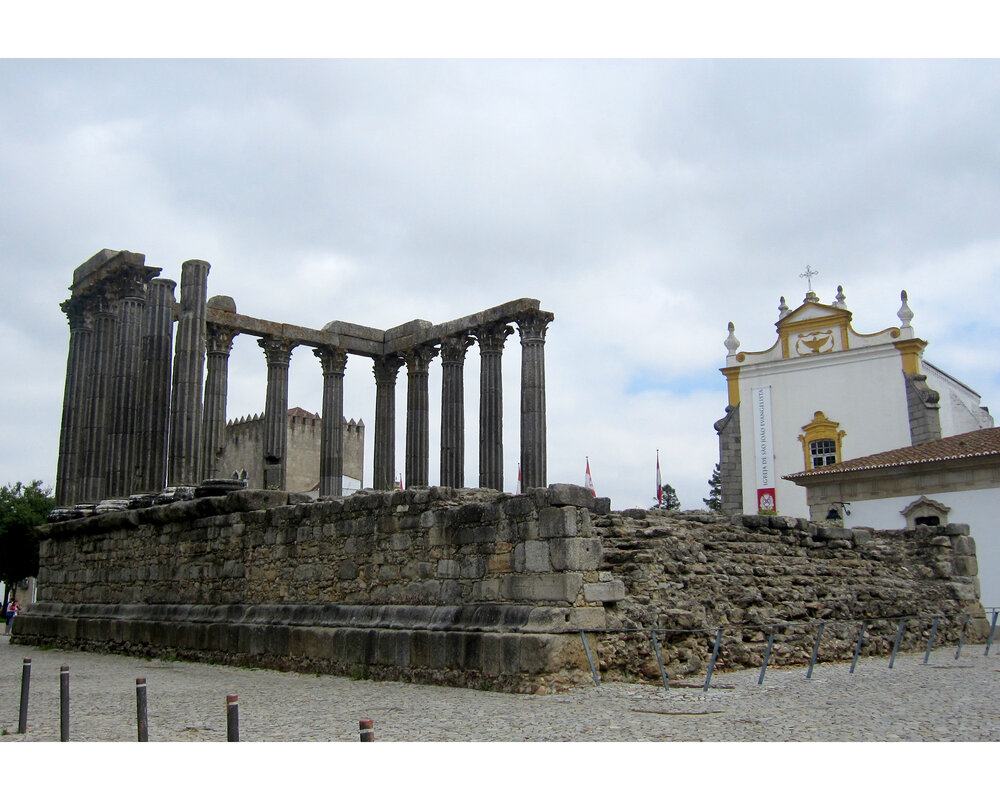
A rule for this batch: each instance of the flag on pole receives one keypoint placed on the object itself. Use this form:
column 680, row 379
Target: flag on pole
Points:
column 659, row 482
column 519, row 477
column 399, row 482
column 588, row 482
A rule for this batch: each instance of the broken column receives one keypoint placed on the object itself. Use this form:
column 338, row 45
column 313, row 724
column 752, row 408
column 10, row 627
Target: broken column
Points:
column 188, row 378
column 331, row 446
column 531, row 326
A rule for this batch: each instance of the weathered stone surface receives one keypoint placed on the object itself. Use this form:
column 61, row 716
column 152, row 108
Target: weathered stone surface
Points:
column 610, row 592
column 556, row 522
column 575, row 554
column 563, row 587
column 568, row 494
column 532, row 556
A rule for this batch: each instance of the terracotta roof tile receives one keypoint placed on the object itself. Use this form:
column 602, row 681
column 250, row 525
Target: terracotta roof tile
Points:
column 984, row 442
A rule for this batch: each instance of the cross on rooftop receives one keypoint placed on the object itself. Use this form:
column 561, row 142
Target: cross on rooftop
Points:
column 808, row 275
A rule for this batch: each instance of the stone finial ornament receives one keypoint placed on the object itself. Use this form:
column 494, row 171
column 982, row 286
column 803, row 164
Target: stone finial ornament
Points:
column 841, row 297
column 783, row 309
column 905, row 315
column 732, row 343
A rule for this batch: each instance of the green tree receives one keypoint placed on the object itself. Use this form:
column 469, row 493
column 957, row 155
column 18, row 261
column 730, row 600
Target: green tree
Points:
column 669, row 499
column 714, row 499
column 21, row 509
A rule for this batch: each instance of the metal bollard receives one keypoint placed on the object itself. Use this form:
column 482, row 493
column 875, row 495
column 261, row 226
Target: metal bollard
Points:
column 715, row 655
column 961, row 637
column 895, row 645
column 857, row 648
column 64, row 703
column 22, row 717
column 367, row 728
column 767, row 656
column 930, row 642
column 993, row 629
column 812, row 661
column 232, row 718
column 141, row 720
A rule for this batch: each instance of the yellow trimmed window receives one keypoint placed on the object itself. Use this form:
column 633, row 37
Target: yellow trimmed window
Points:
column 821, row 441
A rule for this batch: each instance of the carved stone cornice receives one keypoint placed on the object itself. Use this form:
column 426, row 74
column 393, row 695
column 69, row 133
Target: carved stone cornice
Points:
column 532, row 325
column 332, row 359
column 277, row 350
column 492, row 337
column 219, row 339
column 453, row 348
column 385, row 368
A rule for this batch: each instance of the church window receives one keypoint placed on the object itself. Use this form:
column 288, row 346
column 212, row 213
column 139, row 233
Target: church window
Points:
column 821, row 441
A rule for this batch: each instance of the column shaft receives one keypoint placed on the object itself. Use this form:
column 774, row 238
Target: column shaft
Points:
column 491, row 341
column 275, row 453
column 453, row 410
column 417, row 415
column 184, row 452
column 72, row 458
column 531, row 326
column 384, row 463
column 331, row 456
column 158, row 335
column 95, row 438
column 219, row 344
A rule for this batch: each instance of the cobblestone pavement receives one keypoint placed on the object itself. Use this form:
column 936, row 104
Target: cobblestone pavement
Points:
column 946, row 700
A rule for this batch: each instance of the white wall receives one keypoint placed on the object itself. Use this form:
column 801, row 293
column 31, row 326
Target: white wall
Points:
column 977, row 508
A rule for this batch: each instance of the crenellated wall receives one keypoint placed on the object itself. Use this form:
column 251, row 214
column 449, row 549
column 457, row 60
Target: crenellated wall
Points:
column 475, row 587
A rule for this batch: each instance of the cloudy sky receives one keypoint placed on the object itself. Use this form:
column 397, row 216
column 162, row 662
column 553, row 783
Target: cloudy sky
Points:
column 646, row 203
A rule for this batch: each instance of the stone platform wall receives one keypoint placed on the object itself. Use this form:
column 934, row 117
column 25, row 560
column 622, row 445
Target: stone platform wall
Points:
column 478, row 588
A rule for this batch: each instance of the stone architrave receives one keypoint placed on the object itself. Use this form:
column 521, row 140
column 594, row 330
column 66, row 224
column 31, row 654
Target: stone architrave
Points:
column 219, row 344
column 531, row 326
column 331, row 447
column 278, row 352
column 95, row 435
column 184, row 453
column 384, row 464
column 157, row 342
column 491, row 340
column 453, row 409
column 70, row 468
column 131, row 288
column 418, row 415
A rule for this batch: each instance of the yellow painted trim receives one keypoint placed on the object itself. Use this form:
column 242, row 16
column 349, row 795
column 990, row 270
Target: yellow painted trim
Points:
column 820, row 428
column 911, row 350
column 839, row 320
column 733, row 381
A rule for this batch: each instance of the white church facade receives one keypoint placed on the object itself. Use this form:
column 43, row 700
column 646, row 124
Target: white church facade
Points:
column 822, row 394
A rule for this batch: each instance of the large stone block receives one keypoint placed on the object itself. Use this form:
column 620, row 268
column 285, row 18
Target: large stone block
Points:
column 532, row 556
column 568, row 494
column 564, row 587
column 557, row 522
column 575, row 554
column 606, row 592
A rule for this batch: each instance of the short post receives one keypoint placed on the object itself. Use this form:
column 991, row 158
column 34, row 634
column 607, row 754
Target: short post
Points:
column 857, row 647
column 993, row 630
column 715, row 655
column 367, row 728
column 930, row 642
column 961, row 637
column 812, row 661
column 899, row 638
column 767, row 656
column 590, row 660
column 64, row 703
column 22, row 717
column 142, row 721
column 232, row 718
column 659, row 659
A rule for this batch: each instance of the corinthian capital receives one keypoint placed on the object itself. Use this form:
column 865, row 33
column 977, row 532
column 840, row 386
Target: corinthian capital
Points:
column 492, row 336
column 532, row 324
column 419, row 358
column 453, row 348
column 219, row 338
column 277, row 350
column 332, row 359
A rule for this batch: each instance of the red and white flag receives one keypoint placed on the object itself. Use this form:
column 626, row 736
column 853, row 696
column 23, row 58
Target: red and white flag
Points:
column 519, row 477
column 588, row 482
column 659, row 482
column 399, row 482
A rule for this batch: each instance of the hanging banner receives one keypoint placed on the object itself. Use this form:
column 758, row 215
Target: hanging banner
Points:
column 764, row 450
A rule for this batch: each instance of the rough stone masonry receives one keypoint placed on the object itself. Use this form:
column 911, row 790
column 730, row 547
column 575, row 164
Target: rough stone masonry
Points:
column 482, row 588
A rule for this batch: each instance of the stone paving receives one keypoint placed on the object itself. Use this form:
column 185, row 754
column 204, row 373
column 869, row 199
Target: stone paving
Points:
column 946, row 700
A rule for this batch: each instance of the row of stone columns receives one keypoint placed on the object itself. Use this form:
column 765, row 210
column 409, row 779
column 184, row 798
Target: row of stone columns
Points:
column 124, row 393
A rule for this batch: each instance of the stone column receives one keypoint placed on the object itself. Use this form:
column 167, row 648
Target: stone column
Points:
column 219, row 344
column 70, row 468
column 331, row 446
column 125, row 389
column 189, row 378
column 157, row 341
column 95, row 434
column 453, row 409
column 491, row 341
column 384, row 465
column 417, row 415
column 531, row 325
column 278, row 352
